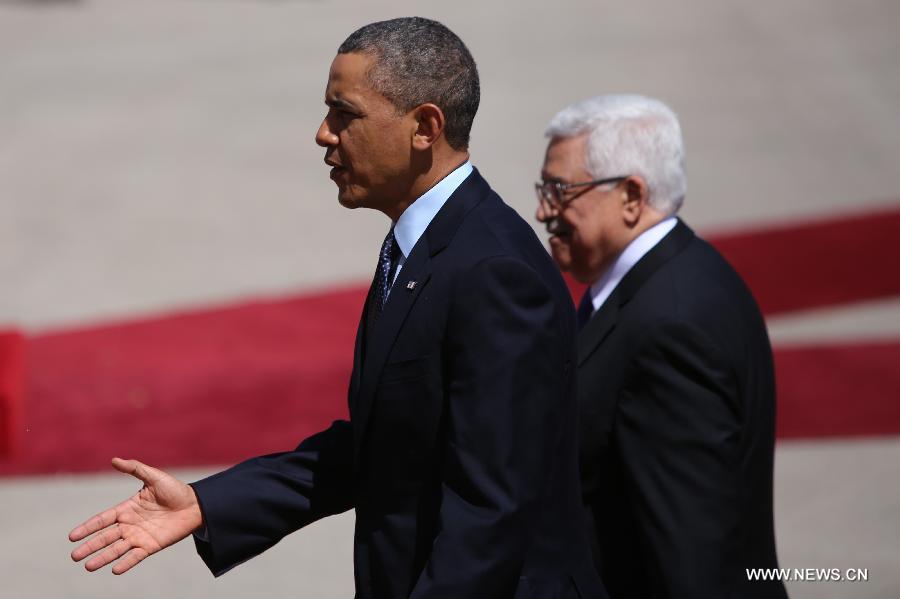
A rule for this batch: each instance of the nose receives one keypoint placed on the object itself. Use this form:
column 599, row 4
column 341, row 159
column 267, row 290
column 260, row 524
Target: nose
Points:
column 545, row 212
column 324, row 136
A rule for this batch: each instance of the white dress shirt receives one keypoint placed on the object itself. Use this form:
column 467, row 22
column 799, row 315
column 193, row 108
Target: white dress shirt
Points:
column 633, row 252
column 418, row 215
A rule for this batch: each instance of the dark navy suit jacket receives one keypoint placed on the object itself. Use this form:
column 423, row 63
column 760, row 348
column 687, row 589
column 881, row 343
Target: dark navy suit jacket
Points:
column 676, row 392
column 460, row 456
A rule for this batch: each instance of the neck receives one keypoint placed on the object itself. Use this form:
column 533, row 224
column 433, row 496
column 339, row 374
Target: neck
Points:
column 439, row 167
column 649, row 219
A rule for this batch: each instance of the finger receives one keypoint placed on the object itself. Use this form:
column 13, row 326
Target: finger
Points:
column 93, row 524
column 131, row 559
column 147, row 474
column 106, row 537
column 110, row 554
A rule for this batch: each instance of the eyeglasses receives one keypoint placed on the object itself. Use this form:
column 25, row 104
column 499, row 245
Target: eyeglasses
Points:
column 554, row 192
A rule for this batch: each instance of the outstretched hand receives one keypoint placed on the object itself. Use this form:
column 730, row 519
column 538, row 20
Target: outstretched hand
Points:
column 162, row 513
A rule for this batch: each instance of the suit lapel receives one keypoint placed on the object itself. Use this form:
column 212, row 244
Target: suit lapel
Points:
column 359, row 353
column 598, row 327
column 400, row 301
column 667, row 248
column 603, row 322
column 373, row 353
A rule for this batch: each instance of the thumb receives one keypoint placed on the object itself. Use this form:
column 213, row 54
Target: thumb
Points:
column 146, row 474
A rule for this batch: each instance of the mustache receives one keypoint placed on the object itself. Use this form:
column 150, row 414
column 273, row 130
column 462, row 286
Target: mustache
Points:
column 555, row 226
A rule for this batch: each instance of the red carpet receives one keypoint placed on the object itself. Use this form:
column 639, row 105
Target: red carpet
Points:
column 825, row 263
column 214, row 386
column 200, row 388
column 11, row 382
column 838, row 390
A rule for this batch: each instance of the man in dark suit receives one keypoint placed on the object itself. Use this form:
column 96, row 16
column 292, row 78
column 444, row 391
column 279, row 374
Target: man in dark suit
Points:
column 675, row 377
column 460, row 456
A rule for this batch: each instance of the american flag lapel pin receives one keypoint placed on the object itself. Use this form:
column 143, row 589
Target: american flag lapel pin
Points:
column 411, row 285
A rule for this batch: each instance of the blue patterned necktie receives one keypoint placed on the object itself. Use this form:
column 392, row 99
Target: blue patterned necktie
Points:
column 387, row 266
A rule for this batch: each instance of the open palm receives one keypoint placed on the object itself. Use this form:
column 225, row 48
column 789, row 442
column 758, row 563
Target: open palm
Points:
column 162, row 513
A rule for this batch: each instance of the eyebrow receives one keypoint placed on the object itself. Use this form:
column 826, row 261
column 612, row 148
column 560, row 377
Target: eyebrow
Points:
column 547, row 179
column 341, row 104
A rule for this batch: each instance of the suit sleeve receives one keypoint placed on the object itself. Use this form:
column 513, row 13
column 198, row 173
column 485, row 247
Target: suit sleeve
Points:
column 253, row 505
column 506, row 382
column 678, row 432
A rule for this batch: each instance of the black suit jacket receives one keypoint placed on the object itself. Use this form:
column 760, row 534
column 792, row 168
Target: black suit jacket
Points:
column 677, row 409
column 460, row 454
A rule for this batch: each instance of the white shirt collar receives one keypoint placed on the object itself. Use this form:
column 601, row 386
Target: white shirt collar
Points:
column 418, row 215
column 630, row 256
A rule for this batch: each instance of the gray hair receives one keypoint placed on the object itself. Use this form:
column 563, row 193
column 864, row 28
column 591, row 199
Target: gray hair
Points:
column 420, row 61
column 630, row 135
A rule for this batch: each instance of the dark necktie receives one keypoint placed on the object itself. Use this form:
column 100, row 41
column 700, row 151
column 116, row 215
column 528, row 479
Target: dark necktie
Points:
column 381, row 286
column 585, row 309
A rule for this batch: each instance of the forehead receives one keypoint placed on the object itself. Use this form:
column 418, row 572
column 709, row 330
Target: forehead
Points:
column 347, row 77
column 565, row 158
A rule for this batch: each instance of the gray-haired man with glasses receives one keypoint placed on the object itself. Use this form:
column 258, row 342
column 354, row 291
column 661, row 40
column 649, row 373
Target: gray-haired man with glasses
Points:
column 675, row 377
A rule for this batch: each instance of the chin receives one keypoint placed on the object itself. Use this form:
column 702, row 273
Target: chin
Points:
column 582, row 277
column 347, row 199
column 562, row 258
column 347, row 203
column 562, row 264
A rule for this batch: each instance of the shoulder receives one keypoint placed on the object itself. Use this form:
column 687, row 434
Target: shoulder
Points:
column 697, row 287
column 694, row 310
column 494, row 229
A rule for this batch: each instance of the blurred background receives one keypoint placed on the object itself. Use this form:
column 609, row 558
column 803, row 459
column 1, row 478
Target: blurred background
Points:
column 178, row 283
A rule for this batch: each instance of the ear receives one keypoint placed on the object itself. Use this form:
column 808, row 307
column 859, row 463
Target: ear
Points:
column 430, row 124
column 634, row 199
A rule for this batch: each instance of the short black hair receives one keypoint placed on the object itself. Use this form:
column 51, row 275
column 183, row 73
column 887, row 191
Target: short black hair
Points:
column 420, row 61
